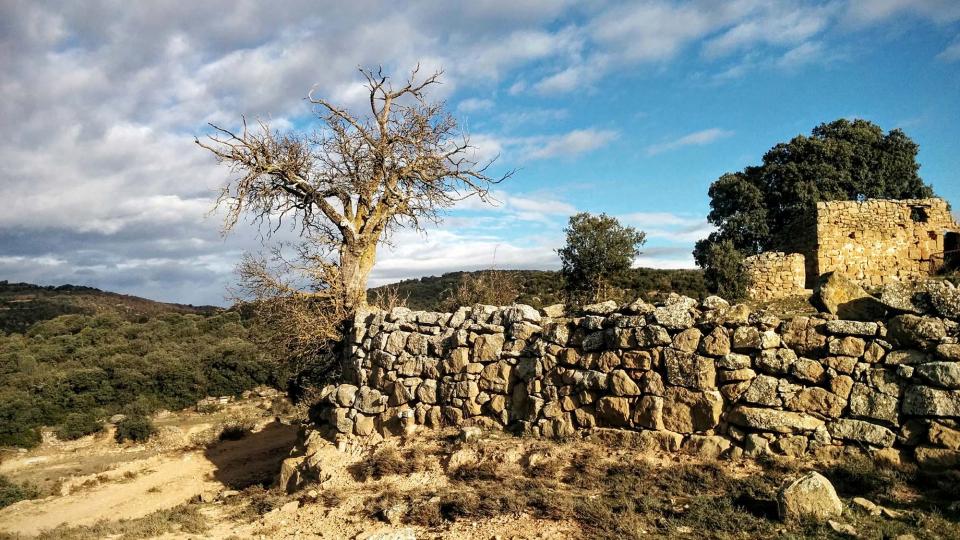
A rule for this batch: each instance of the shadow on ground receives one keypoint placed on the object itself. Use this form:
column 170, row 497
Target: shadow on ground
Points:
column 255, row 459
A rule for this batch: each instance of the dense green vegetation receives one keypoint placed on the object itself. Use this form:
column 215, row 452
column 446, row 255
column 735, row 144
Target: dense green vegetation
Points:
column 11, row 493
column 543, row 287
column 598, row 251
column 767, row 207
column 74, row 371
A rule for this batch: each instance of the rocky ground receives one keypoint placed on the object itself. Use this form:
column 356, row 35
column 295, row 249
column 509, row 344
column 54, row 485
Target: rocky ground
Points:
column 487, row 485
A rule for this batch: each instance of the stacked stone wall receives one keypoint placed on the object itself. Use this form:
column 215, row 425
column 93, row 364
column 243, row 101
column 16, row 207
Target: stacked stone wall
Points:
column 681, row 374
column 877, row 242
column 774, row 274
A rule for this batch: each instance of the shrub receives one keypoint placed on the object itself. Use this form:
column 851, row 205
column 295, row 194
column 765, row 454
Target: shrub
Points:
column 11, row 493
column 135, row 428
column 77, row 425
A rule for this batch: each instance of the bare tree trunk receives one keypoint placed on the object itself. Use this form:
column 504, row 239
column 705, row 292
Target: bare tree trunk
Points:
column 356, row 262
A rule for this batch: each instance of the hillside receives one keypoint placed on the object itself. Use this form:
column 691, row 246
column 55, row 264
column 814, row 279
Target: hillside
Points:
column 23, row 304
column 543, row 287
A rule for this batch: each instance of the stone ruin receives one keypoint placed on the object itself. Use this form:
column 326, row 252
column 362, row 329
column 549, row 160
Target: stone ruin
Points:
column 874, row 243
column 774, row 274
column 705, row 377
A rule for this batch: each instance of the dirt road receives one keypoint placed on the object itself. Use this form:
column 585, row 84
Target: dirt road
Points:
column 142, row 484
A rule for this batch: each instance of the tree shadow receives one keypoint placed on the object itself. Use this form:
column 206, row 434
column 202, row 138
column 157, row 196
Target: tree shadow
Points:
column 255, row 459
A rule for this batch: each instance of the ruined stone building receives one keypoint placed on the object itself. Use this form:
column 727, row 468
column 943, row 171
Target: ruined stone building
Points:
column 874, row 242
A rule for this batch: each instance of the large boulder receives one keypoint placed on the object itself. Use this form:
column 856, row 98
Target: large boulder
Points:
column 811, row 496
column 915, row 331
column 945, row 299
column 842, row 297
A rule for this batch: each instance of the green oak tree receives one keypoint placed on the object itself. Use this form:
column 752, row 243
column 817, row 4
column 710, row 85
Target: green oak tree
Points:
column 755, row 209
column 598, row 250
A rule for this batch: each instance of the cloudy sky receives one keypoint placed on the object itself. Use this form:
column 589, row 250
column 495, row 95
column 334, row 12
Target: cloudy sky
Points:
column 629, row 108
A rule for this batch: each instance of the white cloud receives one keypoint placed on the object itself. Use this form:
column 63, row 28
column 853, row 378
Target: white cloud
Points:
column 669, row 227
column 803, row 54
column 697, row 138
column 574, row 143
column 873, row 11
column 776, row 24
column 951, row 53
column 475, row 105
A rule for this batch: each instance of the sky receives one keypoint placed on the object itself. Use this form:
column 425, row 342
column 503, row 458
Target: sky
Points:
column 628, row 108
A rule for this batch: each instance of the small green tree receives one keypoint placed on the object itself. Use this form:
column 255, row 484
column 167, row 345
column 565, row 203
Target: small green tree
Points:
column 756, row 209
column 598, row 250
column 79, row 424
column 135, row 428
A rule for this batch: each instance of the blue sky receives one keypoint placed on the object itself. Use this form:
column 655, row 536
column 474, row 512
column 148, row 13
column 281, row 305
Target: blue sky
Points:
column 628, row 108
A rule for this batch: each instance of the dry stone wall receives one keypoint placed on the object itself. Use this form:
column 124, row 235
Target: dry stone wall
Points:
column 774, row 274
column 877, row 242
column 705, row 376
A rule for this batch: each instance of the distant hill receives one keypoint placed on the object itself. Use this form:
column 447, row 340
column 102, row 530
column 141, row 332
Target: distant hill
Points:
column 23, row 304
column 543, row 287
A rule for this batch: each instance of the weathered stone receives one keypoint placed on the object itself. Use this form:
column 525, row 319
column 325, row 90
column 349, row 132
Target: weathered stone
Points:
column 872, row 403
column 733, row 392
column 937, row 459
column 846, row 346
column 791, row 446
column 346, row 394
column 487, row 347
column 915, row 331
column 842, row 297
column 639, row 306
column 874, row 353
column 852, row 328
column 621, row 384
column 941, row 435
column 716, row 343
column 885, row 381
column 906, row 356
column 554, row 311
column 949, row 351
column 926, row 401
column 642, row 360
column 370, row 401
column 807, row 370
column 903, row 297
column 652, row 383
column 689, row 370
column 652, row 336
column 818, row 401
column 707, row 446
column 687, row 340
column 772, row 420
column 801, row 335
column 763, row 391
column 648, row 413
column 602, row 308
column 614, row 411
column 427, row 392
column 746, row 337
column 686, row 411
column 776, row 361
column 674, row 316
column 734, row 361
column 810, row 497
column 943, row 374
column 736, row 375
column 594, row 341
column 841, row 385
column 862, row 432
column 585, row 418
column 396, row 342
column 769, row 339
column 945, row 299
column 714, row 302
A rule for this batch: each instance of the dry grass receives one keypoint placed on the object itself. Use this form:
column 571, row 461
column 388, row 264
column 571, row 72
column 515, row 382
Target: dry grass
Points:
column 181, row 519
column 629, row 497
column 391, row 461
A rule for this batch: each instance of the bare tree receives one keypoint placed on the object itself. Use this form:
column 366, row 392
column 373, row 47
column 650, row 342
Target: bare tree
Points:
column 358, row 177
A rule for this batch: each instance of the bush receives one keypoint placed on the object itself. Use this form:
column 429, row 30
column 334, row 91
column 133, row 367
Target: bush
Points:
column 11, row 493
column 135, row 428
column 77, row 425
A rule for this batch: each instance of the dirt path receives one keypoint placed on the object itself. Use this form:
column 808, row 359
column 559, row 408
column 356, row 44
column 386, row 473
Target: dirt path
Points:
column 144, row 485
